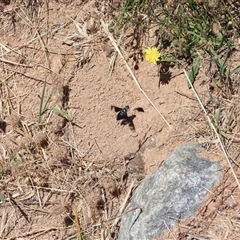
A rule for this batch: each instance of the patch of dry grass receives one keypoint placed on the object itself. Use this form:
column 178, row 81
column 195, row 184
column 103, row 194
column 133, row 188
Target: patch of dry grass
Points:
column 50, row 188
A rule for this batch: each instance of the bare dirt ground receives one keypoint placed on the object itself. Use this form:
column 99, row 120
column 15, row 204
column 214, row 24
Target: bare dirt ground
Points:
column 64, row 178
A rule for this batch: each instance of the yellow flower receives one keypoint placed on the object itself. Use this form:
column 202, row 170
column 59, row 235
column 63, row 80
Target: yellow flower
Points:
column 152, row 55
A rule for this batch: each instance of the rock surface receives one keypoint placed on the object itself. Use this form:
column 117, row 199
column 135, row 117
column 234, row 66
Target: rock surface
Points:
column 173, row 192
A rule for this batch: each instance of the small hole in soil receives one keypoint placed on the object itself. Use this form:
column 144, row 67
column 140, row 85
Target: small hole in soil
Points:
column 3, row 126
column 136, row 67
column 100, row 204
column 68, row 220
column 116, row 192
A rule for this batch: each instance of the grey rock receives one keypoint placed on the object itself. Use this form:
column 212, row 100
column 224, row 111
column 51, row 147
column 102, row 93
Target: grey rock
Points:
column 173, row 192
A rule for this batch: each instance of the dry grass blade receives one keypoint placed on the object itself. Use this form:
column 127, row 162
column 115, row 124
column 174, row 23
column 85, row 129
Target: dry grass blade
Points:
column 169, row 230
column 36, row 233
column 14, row 63
column 5, row 48
column 79, row 235
column 105, row 28
column 214, row 129
column 44, row 48
column 81, row 29
column 124, row 202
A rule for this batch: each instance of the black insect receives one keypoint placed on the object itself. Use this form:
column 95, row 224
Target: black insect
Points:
column 122, row 112
column 122, row 115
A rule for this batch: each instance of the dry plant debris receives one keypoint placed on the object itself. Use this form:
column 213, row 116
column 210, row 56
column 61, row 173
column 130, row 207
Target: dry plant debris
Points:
column 67, row 169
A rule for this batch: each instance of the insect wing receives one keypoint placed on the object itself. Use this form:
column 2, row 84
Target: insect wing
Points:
column 116, row 109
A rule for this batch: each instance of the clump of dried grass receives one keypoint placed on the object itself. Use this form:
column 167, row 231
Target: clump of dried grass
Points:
column 15, row 121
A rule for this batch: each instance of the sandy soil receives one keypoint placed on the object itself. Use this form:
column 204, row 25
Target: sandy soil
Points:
column 55, row 171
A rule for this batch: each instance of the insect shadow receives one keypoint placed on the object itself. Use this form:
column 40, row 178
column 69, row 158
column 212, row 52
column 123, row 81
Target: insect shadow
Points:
column 122, row 115
column 139, row 109
column 129, row 121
